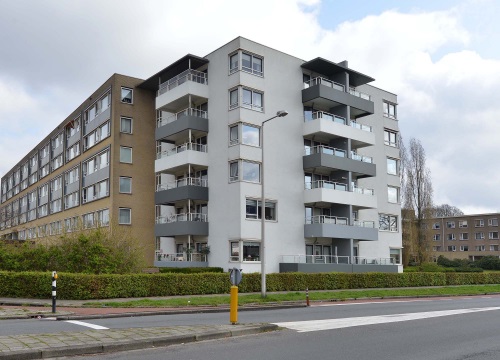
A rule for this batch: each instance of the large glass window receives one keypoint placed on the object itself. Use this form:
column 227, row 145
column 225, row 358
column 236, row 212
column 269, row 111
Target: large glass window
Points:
column 392, row 166
column 393, row 194
column 124, row 216
column 250, row 171
column 390, row 138
column 234, row 98
column 234, row 135
column 389, row 110
column 254, row 210
column 126, row 125
column 250, row 135
column 252, row 99
column 388, row 222
column 125, row 185
column 250, row 63
column 126, row 95
column 125, row 154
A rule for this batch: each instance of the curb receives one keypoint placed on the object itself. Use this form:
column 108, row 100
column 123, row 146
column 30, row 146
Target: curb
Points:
column 160, row 341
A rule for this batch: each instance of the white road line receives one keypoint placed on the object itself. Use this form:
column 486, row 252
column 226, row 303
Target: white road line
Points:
column 371, row 302
column 330, row 324
column 92, row 326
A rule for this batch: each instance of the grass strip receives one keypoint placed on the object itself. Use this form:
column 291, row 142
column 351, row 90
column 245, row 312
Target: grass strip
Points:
column 246, row 299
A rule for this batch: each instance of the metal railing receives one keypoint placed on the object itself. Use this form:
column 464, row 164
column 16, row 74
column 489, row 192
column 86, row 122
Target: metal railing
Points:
column 322, row 149
column 186, row 256
column 363, row 158
column 187, row 75
column 326, row 219
column 334, row 259
column 328, row 116
column 364, row 223
column 183, row 182
column 364, row 191
column 181, row 217
column 356, row 125
column 179, row 115
column 322, row 81
column 325, row 184
column 182, row 148
column 359, row 94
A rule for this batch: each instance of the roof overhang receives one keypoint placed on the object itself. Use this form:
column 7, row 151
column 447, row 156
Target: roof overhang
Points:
column 329, row 68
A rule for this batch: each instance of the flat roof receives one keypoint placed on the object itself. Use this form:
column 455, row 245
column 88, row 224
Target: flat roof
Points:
column 188, row 61
column 328, row 68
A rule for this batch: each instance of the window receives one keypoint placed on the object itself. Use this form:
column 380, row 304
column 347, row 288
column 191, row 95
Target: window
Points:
column 57, row 162
column 96, row 136
column 72, row 176
column 126, row 95
column 250, row 171
column 479, row 236
column 251, row 251
column 464, row 236
column 388, row 222
column 450, row 237
column 88, row 220
column 250, row 99
column 57, row 141
column 71, row 200
column 233, row 99
column 395, row 255
column 462, row 223
column 389, row 110
column 493, row 235
column 72, row 152
column 94, row 192
column 250, row 134
column 436, row 225
column 103, row 217
column 436, row 248
column 492, row 222
column 124, row 216
column 99, row 161
column 452, row 248
column 494, row 247
column 125, row 154
column 464, row 248
column 55, row 206
column 390, row 138
column 126, row 125
column 436, row 237
column 393, row 194
column 450, row 224
column 479, row 223
column 72, row 128
column 392, row 166
column 44, row 171
column 125, row 185
column 250, row 63
column 480, row 248
column 254, row 210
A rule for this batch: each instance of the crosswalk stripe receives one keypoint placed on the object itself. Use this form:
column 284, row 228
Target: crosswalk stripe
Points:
column 92, row 326
column 330, row 324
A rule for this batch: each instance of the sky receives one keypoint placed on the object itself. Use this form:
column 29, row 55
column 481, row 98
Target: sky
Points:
column 442, row 59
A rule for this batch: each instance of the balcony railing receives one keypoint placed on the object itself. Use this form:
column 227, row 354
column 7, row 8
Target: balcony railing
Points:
column 322, row 149
column 364, row 223
column 359, row 94
column 322, row 81
column 161, row 256
column 363, row 158
column 333, row 259
column 328, row 116
column 326, row 219
column 325, row 184
column 182, row 148
column 183, row 182
column 187, row 75
column 181, row 217
column 186, row 112
column 361, row 126
column 363, row 191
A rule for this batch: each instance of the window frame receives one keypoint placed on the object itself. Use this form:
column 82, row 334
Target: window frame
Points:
column 390, row 105
column 389, row 195
column 131, row 154
column 397, row 166
column 131, row 120
column 273, row 210
column 122, row 88
column 120, row 209
column 129, row 178
column 391, row 219
column 391, row 133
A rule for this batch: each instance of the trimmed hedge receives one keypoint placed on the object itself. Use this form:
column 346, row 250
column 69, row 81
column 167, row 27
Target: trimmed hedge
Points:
column 87, row 286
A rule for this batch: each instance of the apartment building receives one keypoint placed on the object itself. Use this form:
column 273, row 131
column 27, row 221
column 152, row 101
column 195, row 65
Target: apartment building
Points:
column 95, row 168
column 331, row 165
column 465, row 237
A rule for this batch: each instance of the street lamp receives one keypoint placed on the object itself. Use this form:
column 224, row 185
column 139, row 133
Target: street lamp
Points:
column 281, row 113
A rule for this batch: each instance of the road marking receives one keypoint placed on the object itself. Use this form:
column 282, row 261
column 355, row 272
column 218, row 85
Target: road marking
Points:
column 92, row 326
column 371, row 302
column 331, row 324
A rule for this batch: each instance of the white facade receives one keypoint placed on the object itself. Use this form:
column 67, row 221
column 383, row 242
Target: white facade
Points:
column 311, row 204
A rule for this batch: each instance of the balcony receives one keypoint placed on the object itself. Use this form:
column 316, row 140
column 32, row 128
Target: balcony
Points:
column 184, row 259
column 359, row 94
column 173, row 126
column 331, row 263
column 333, row 158
column 187, row 188
column 187, row 153
column 338, row 227
column 334, row 126
column 327, row 94
column 337, row 193
column 177, row 90
column 182, row 224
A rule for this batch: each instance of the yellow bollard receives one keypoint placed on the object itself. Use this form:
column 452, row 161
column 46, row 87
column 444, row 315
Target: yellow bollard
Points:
column 233, row 307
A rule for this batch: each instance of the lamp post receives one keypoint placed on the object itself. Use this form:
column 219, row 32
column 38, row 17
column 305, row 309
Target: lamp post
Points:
column 280, row 113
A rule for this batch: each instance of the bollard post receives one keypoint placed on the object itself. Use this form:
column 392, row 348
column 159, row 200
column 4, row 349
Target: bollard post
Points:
column 54, row 278
column 233, row 307
column 307, row 297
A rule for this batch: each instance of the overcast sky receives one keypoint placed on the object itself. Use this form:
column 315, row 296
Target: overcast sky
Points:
column 442, row 58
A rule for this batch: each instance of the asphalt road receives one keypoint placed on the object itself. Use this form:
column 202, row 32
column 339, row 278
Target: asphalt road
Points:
column 453, row 329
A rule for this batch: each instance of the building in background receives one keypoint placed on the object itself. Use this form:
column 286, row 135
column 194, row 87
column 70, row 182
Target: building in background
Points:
column 331, row 165
column 465, row 237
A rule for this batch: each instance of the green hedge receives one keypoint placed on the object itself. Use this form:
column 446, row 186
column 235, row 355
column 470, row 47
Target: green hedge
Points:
column 104, row 286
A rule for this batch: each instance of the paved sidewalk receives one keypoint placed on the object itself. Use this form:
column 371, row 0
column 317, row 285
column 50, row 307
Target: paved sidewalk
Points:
column 42, row 346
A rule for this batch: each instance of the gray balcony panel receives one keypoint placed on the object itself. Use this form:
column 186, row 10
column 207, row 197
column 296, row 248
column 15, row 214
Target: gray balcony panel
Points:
column 98, row 120
column 70, row 188
column 73, row 140
column 57, row 151
column 362, row 106
column 340, row 232
column 182, row 228
column 184, row 123
column 99, row 175
column 181, row 193
column 337, row 162
column 56, row 194
column 23, row 209
column 346, row 268
column 43, row 200
column 44, row 161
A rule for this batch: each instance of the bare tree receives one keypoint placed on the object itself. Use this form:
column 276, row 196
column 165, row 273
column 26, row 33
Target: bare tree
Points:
column 445, row 210
column 417, row 200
